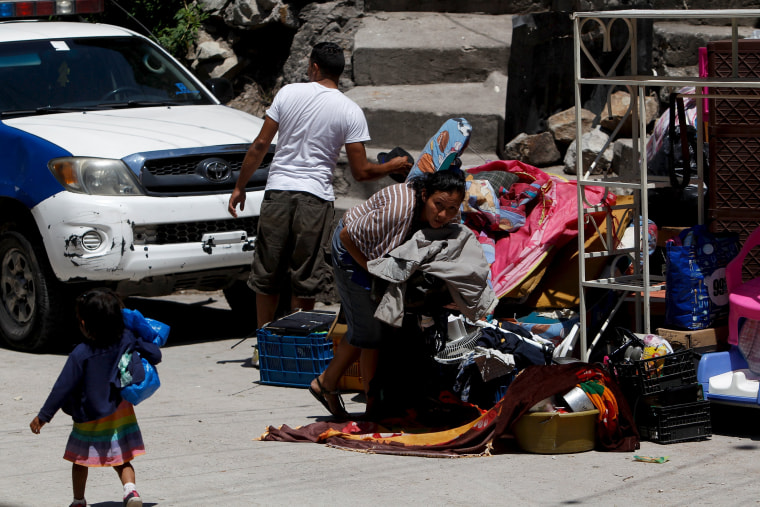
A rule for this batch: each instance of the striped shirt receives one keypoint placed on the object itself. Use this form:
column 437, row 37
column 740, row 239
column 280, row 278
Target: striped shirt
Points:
column 383, row 222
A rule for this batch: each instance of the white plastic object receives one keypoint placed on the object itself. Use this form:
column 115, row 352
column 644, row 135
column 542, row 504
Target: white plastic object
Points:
column 740, row 383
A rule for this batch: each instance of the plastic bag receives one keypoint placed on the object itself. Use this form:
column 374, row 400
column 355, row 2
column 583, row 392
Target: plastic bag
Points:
column 148, row 329
column 672, row 152
column 654, row 346
column 151, row 330
column 136, row 393
column 666, row 155
column 697, row 293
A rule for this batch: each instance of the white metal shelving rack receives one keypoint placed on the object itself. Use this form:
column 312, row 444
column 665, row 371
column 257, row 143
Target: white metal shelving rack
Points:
column 641, row 283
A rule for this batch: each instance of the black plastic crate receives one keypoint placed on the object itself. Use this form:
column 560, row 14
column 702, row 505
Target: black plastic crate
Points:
column 687, row 393
column 655, row 375
column 674, row 423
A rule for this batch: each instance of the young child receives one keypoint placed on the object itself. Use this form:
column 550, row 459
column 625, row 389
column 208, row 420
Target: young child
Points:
column 105, row 432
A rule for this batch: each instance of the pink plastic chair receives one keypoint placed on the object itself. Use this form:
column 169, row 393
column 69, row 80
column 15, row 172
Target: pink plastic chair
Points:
column 743, row 297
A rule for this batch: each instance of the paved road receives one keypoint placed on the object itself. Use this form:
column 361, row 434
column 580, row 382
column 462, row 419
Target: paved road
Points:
column 200, row 428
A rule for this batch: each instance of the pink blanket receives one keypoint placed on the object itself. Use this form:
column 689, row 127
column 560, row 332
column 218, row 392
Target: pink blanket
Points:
column 550, row 207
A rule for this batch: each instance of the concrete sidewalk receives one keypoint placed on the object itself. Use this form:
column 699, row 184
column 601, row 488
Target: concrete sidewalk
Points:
column 200, row 427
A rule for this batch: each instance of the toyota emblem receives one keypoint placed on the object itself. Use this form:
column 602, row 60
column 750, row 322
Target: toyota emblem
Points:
column 215, row 169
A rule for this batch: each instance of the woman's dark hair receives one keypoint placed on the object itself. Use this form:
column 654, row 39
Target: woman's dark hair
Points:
column 450, row 180
column 329, row 57
column 100, row 309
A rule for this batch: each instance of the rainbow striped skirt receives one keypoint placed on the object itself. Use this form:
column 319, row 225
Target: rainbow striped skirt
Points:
column 110, row 441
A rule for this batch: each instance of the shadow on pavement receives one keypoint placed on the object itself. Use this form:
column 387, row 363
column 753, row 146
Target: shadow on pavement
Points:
column 117, row 504
column 193, row 322
column 738, row 421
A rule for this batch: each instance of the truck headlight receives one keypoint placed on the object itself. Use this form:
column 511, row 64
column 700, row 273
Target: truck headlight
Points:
column 95, row 176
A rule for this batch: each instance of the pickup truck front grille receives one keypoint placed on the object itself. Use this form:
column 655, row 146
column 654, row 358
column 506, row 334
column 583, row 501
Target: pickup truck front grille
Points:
column 211, row 172
column 189, row 232
column 182, row 166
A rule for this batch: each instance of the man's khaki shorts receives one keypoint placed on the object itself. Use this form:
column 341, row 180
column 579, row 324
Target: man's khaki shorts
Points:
column 292, row 243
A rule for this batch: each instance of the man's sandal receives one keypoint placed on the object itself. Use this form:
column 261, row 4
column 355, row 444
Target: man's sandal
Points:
column 321, row 396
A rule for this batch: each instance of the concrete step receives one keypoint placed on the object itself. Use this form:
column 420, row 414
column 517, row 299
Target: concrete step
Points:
column 413, row 49
column 678, row 41
column 484, row 6
column 408, row 115
column 469, row 158
column 396, row 48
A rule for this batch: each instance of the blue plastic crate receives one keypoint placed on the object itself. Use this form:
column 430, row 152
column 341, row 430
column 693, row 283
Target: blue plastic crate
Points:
column 292, row 361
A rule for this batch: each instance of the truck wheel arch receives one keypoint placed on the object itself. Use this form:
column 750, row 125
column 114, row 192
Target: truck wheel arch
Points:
column 33, row 303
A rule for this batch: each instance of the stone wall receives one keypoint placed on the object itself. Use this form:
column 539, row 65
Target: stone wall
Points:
column 263, row 44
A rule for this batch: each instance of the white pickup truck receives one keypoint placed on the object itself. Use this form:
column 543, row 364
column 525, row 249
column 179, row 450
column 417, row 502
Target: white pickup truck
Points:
column 117, row 165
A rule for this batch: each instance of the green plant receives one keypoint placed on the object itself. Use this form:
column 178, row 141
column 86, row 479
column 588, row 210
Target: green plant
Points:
column 172, row 23
column 181, row 35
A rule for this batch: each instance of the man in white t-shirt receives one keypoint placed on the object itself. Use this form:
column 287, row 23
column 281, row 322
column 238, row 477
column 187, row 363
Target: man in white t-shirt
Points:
column 313, row 122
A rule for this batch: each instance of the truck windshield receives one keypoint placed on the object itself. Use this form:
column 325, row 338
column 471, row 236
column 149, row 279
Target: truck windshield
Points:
column 91, row 73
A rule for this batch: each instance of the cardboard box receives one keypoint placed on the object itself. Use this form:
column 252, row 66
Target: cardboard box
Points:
column 666, row 233
column 352, row 378
column 714, row 337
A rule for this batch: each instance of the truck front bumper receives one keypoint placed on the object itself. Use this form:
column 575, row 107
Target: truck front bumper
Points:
column 107, row 238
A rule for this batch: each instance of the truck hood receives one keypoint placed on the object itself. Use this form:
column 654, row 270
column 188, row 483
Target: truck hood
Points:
column 122, row 132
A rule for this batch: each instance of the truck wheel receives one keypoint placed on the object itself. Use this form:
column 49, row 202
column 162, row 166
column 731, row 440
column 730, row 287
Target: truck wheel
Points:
column 242, row 301
column 29, row 306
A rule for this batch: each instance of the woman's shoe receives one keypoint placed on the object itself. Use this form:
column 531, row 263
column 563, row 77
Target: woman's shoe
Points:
column 336, row 408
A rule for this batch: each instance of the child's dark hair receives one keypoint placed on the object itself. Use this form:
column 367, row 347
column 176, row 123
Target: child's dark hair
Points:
column 329, row 57
column 450, row 180
column 100, row 310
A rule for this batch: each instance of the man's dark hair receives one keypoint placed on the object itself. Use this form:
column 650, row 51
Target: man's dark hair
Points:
column 100, row 309
column 329, row 57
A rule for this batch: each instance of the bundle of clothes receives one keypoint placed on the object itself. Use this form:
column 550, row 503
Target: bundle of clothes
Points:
column 460, row 429
column 520, row 215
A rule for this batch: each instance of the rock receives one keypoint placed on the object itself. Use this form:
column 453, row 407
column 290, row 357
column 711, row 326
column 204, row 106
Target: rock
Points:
column 618, row 105
column 249, row 14
column 234, row 24
column 212, row 6
column 215, row 59
column 252, row 100
column 624, row 164
column 677, row 43
column 332, row 21
column 593, row 143
column 212, row 50
column 537, row 150
column 562, row 124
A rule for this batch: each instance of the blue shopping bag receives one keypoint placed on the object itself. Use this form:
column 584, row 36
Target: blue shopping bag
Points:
column 151, row 330
column 696, row 289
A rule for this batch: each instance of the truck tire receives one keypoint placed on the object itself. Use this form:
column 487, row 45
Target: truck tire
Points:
column 241, row 298
column 242, row 301
column 30, row 297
